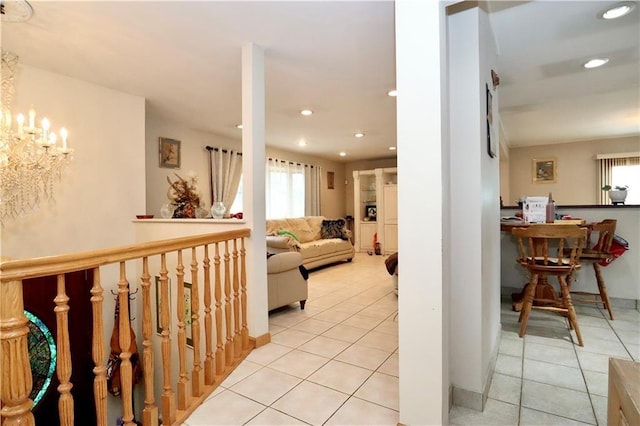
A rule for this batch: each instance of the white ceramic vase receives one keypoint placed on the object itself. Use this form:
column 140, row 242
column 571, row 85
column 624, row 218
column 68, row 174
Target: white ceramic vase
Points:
column 218, row 210
column 617, row 197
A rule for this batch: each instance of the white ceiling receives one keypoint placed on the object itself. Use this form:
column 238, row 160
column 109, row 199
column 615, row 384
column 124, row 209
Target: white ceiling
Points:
column 338, row 59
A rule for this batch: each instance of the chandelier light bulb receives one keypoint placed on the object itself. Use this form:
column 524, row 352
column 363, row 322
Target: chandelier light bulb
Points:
column 32, row 118
column 20, row 121
column 63, row 135
column 52, row 139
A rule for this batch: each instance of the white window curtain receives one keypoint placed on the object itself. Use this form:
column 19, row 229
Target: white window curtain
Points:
column 606, row 164
column 225, row 167
column 292, row 189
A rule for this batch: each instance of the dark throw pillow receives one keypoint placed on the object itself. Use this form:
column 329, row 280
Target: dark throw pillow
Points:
column 333, row 228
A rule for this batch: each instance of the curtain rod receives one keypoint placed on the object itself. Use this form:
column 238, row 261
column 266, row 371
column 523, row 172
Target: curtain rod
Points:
column 291, row 162
column 211, row 148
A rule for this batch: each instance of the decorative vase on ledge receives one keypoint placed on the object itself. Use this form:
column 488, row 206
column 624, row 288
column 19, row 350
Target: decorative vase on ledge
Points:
column 617, row 196
column 218, row 210
column 166, row 211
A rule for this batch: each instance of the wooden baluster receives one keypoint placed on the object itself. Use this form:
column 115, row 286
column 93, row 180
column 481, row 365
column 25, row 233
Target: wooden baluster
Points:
column 243, row 284
column 197, row 385
column 150, row 411
column 218, row 296
column 124, row 332
column 63, row 365
column 209, row 372
column 16, row 382
column 237, row 341
column 228, row 347
column 183, row 396
column 98, row 352
column 168, row 396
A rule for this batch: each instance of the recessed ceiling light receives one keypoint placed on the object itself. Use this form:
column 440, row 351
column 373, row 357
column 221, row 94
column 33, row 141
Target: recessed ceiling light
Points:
column 343, row 154
column 392, row 148
column 238, row 126
column 393, row 93
column 359, row 135
column 306, row 112
column 617, row 11
column 596, row 62
column 302, row 142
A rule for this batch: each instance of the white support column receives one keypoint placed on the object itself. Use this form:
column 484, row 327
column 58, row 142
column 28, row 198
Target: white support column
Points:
column 422, row 306
column 253, row 173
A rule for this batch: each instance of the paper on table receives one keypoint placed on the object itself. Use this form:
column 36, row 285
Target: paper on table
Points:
column 534, row 209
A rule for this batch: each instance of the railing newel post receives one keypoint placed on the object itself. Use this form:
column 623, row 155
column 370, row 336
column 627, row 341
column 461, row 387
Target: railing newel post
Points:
column 14, row 358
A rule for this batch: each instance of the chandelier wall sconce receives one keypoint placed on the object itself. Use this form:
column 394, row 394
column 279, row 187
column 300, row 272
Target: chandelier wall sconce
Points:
column 32, row 157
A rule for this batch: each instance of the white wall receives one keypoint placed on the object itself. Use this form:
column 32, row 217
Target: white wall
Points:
column 422, row 301
column 475, row 236
column 490, row 210
column 105, row 188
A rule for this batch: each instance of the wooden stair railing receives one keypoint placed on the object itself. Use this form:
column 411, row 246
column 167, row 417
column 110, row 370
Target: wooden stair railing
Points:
column 226, row 336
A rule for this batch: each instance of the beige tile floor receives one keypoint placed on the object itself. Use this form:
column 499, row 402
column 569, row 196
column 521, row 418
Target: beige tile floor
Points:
column 546, row 378
column 336, row 362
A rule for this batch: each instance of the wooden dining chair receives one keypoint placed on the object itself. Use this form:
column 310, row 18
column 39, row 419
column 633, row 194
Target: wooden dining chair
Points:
column 547, row 250
column 600, row 252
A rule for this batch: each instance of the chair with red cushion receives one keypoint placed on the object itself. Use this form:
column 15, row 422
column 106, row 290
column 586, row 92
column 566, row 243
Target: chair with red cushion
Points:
column 601, row 254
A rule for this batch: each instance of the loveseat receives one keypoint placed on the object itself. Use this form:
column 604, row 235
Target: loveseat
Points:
column 285, row 281
column 321, row 241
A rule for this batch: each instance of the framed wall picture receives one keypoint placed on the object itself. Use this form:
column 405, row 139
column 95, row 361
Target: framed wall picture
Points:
column 169, row 153
column 491, row 141
column 371, row 212
column 544, row 170
column 330, row 180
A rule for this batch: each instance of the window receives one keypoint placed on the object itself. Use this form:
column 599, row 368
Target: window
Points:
column 619, row 170
column 629, row 176
column 284, row 189
column 236, row 207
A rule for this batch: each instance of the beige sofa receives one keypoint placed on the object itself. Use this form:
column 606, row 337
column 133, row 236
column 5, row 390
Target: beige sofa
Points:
column 285, row 282
column 305, row 235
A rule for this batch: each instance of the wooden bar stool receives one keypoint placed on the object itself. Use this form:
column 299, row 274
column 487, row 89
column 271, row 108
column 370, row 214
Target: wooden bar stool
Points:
column 601, row 251
column 534, row 244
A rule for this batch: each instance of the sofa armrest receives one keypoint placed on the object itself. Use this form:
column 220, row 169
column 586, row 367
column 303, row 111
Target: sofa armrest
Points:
column 349, row 235
column 281, row 243
column 282, row 262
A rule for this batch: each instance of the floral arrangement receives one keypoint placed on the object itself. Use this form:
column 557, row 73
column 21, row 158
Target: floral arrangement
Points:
column 184, row 194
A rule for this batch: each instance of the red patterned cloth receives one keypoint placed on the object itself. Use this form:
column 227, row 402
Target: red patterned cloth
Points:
column 618, row 246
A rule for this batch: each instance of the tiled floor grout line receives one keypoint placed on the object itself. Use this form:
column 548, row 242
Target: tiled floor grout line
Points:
column 584, row 378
